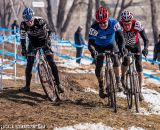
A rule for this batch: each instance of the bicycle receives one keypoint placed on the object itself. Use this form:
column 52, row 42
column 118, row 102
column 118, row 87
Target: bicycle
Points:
column 132, row 83
column 110, row 80
column 46, row 77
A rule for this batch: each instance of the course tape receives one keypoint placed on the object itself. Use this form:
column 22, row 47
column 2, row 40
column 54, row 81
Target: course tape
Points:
column 12, row 54
column 8, row 64
column 60, row 42
column 10, row 38
column 9, row 30
column 152, row 76
column 152, row 61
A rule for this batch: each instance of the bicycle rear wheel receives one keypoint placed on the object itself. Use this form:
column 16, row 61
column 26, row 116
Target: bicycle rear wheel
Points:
column 48, row 82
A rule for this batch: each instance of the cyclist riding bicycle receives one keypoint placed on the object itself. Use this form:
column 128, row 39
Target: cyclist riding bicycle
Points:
column 131, row 30
column 102, row 36
column 39, row 34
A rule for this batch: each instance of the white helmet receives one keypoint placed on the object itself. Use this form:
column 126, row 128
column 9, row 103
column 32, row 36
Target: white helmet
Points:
column 126, row 16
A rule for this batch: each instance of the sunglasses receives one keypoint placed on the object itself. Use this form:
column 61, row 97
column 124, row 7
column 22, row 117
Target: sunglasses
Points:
column 102, row 23
column 30, row 21
column 127, row 23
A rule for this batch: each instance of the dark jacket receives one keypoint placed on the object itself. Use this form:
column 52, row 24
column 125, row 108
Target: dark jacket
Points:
column 38, row 34
column 156, row 50
column 15, row 26
column 78, row 38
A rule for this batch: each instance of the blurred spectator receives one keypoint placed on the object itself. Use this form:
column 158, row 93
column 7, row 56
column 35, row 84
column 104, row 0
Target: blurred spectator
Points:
column 156, row 55
column 15, row 27
column 79, row 41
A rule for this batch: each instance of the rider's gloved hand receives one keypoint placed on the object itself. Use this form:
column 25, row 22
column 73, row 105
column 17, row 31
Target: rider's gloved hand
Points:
column 24, row 52
column 123, row 51
column 95, row 54
column 145, row 52
column 50, row 37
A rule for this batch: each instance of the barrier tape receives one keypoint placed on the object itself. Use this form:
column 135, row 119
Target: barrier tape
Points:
column 9, row 30
column 12, row 54
column 8, row 64
column 60, row 42
column 152, row 61
column 152, row 76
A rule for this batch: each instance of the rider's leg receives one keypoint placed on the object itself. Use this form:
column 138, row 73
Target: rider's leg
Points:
column 124, row 68
column 117, row 71
column 139, row 68
column 78, row 54
column 54, row 72
column 28, row 74
column 99, row 72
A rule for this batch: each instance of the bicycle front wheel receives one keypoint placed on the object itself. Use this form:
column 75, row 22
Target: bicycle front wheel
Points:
column 129, row 86
column 48, row 82
column 111, row 86
column 136, row 91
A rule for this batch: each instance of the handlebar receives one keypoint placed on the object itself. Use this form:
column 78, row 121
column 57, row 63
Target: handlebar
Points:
column 106, row 53
column 38, row 48
column 133, row 54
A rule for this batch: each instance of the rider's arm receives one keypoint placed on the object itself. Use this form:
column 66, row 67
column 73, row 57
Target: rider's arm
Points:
column 23, row 36
column 43, row 23
column 119, row 35
column 140, row 28
column 91, row 44
column 155, row 52
column 93, row 32
column 119, row 39
column 144, row 37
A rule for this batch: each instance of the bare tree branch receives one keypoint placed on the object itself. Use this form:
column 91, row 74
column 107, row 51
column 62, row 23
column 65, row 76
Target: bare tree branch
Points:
column 115, row 9
column 60, row 15
column 89, row 18
column 123, row 7
column 14, row 12
column 154, row 20
column 69, row 15
column 49, row 15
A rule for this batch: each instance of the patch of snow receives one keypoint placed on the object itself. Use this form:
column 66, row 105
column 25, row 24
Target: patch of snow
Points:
column 12, row 77
column 150, row 80
column 4, row 60
column 7, row 77
column 149, row 71
column 94, row 126
column 91, row 90
column 152, row 97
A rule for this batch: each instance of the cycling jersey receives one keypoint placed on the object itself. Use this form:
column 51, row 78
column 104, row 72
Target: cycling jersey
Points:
column 132, row 37
column 38, row 33
column 104, row 37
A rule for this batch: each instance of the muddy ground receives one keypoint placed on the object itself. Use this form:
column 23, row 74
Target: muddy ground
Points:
column 77, row 106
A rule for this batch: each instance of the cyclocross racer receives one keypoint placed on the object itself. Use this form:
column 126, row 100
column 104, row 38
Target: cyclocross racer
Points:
column 102, row 36
column 131, row 30
column 39, row 34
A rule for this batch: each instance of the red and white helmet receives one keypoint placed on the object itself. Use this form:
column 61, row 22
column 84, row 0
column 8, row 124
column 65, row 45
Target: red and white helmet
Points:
column 101, row 15
column 126, row 16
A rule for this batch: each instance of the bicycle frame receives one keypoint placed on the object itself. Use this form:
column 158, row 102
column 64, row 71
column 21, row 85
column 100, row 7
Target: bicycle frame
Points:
column 132, row 67
column 40, row 56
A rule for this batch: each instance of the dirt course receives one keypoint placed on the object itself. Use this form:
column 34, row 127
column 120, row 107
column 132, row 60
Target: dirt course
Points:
column 18, row 109
column 34, row 111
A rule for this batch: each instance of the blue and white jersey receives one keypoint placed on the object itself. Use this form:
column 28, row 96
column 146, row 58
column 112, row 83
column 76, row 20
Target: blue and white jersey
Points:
column 104, row 37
